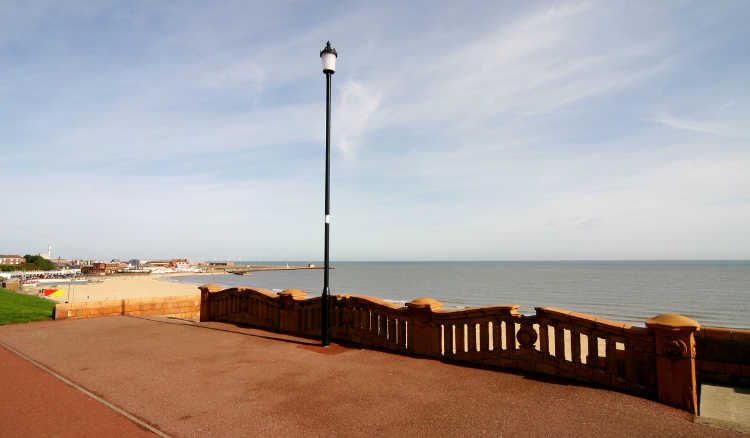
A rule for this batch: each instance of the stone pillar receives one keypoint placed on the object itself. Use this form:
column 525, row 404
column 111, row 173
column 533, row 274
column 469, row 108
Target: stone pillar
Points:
column 289, row 315
column 421, row 311
column 207, row 289
column 675, row 360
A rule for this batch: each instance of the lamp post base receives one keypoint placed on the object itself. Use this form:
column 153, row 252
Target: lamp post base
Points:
column 326, row 319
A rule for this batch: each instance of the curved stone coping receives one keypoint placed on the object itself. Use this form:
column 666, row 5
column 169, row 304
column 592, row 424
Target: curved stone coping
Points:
column 369, row 300
column 593, row 322
column 296, row 294
column 723, row 333
column 217, row 291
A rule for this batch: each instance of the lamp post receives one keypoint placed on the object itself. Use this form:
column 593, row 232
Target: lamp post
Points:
column 328, row 56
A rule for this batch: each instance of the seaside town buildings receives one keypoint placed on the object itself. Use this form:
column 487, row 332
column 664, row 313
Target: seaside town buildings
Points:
column 100, row 267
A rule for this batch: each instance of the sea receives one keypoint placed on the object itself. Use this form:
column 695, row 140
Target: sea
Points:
column 714, row 293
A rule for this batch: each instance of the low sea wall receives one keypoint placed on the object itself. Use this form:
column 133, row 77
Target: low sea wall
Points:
column 723, row 356
column 184, row 307
column 656, row 361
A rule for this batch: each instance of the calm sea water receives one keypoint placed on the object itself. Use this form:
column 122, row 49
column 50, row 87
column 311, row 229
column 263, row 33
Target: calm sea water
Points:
column 714, row 293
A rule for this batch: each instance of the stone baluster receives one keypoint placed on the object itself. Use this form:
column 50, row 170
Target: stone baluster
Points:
column 471, row 337
column 497, row 335
column 485, row 329
column 401, row 334
column 461, row 340
column 392, row 333
column 593, row 360
column 544, row 338
column 448, row 339
column 510, row 334
column 575, row 346
column 611, row 353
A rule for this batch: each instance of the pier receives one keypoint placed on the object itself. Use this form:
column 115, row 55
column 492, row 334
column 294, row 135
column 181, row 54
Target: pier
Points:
column 250, row 270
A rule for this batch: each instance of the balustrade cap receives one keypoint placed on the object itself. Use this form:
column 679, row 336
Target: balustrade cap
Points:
column 294, row 293
column 211, row 287
column 672, row 322
column 423, row 303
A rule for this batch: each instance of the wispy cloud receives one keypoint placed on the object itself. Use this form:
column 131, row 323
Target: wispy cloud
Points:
column 723, row 128
column 356, row 106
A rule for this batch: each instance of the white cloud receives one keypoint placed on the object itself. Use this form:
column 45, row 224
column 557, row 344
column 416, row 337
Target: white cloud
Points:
column 354, row 110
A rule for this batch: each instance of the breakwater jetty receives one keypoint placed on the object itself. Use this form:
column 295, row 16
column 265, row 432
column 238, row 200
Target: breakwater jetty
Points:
column 249, row 270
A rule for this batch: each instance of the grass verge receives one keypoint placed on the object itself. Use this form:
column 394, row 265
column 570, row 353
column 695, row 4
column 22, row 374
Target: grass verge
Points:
column 17, row 308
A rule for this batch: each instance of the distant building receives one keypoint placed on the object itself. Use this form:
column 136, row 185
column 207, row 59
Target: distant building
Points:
column 101, row 268
column 12, row 260
column 179, row 264
column 221, row 263
column 48, row 254
column 60, row 262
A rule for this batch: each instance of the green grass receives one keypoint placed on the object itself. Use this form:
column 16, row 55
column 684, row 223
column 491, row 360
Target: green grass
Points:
column 16, row 308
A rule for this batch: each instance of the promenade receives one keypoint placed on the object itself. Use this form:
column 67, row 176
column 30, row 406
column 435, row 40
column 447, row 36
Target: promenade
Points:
column 219, row 380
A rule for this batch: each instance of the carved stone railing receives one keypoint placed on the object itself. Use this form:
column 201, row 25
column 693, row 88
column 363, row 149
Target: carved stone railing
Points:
column 656, row 361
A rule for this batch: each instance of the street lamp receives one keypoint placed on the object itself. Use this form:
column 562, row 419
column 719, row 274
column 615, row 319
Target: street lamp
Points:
column 328, row 55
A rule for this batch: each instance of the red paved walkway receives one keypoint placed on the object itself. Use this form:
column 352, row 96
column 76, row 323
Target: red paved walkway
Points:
column 191, row 381
column 33, row 403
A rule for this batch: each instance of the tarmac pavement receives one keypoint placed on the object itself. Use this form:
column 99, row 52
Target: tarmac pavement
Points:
column 221, row 380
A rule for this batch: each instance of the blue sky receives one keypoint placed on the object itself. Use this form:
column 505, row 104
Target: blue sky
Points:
column 461, row 130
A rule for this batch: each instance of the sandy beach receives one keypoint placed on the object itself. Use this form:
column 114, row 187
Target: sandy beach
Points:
column 123, row 287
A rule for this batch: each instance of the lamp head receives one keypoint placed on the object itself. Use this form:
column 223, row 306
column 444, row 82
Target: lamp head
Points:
column 329, row 55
